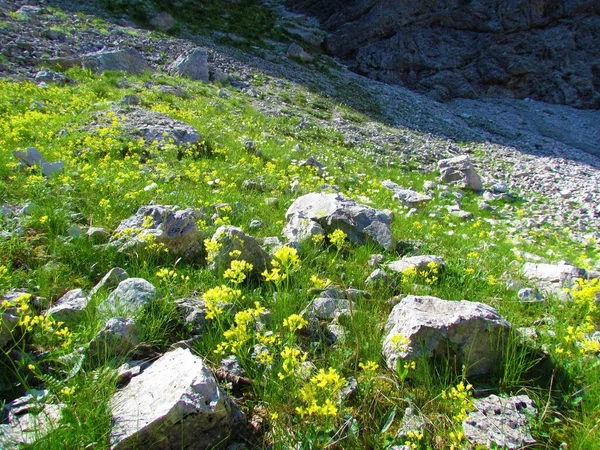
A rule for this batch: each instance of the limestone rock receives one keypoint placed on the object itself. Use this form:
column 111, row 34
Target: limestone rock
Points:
column 130, row 296
column 234, row 239
column 328, row 308
column 29, row 419
column 500, row 422
column 175, row 403
column 193, row 65
column 153, row 126
column 408, row 197
column 127, row 60
column 193, row 313
column 111, row 280
column 117, row 338
column 319, row 213
column 175, row 229
column 552, row 278
column 70, row 308
column 473, row 330
column 421, row 263
column 460, row 170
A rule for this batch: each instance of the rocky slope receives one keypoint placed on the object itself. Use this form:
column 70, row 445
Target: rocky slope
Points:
column 542, row 49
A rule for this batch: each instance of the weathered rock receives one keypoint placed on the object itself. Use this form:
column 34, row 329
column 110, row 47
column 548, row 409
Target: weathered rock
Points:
column 33, row 157
column 234, row 239
column 130, row 296
column 156, row 127
column 323, row 213
column 191, row 411
column 500, row 422
column 552, row 278
column 111, row 280
column 29, row 419
column 296, row 52
column 329, row 308
column 173, row 229
column 70, row 308
column 193, row 65
column 163, row 21
column 408, row 197
column 472, row 330
column 117, row 338
column 193, row 313
column 232, row 365
column 127, row 60
column 532, row 49
column 421, row 263
column 460, row 170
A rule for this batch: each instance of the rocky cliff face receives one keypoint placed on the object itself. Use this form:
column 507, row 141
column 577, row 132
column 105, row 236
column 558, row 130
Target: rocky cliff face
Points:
column 543, row 49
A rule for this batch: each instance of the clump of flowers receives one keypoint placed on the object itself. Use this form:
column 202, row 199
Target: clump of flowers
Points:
column 321, row 394
column 292, row 358
column 337, row 238
column 399, row 343
column 294, row 323
column 215, row 299
column 237, row 271
column 285, row 261
column 320, row 283
column 241, row 332
column 212, row 248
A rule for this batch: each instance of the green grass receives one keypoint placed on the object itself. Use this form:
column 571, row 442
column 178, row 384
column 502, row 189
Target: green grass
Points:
column 103, row 181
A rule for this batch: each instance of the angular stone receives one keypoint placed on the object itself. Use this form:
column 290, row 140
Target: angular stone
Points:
column 420, row 263
column 126, row 60
column 460, row 170
column 193, row 313
column 111, row 280
column 552, row 278
column 473, row 331
column 130, row 296
column 175, row 403
column 329, row 308
column 319, row 213
column 193, row 65
column 175, row 229
column 29, row 419
column 500, row 422
column 70, row 308
column 234, row 239
column 118, row 337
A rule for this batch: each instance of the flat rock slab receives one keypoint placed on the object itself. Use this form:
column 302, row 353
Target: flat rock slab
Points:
column 552, row 278
column 127, row 60
column 471, row 330
column 408, row 197
column 319, row 213
column 501, row 422
column 154, row 126
column 419, row 263
column 174, row 404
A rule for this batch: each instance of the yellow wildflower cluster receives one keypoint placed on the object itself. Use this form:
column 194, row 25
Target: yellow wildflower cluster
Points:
column 218, row 297
column 170, row 275
column 337, row 238
column 241, row 332
column 318, row 238
column 294, row 322
column 285, row 261
column 461, row 398
column 430, row 274
column 320, row 283
column 414, row 439
column 399, row 342
column 292, row 358
column 370, row 366
column 237, row 271
column 321, row 394
column 212, row 248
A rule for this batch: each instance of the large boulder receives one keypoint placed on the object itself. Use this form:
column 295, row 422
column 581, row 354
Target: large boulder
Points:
column 460, row 170
column 540, row 49
column 175, row 403
column 163, row 226
column 126, row 60
column 118, row 337
column 473, row 331
column 500, row 422
column 319, row 213
column 231, row 240
column 192, row 64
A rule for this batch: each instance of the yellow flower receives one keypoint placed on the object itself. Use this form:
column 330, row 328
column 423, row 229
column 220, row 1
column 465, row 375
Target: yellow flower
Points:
column 469, row 270
column 320, row 283
column 237, row 271
column 399, row 342
column 43, row 219
column 370, row 366
column 337, row 238
column 294, row 322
